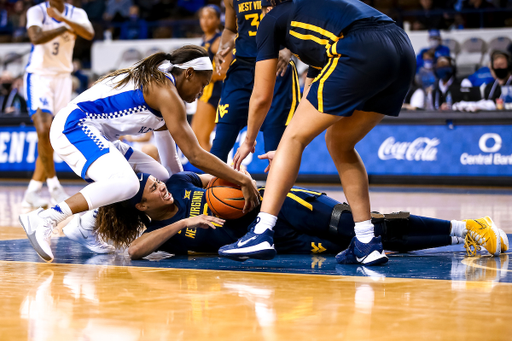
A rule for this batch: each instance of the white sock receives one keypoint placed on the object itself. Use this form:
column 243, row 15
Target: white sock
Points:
column 88, row 220
column 34, row 186
column 364, row 231
column 267, row 222
column 57, row 213
column 457, row 240
column 53, row 182
column 458, row 228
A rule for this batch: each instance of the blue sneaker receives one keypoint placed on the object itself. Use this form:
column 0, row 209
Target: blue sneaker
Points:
column 370, row 253
column 252, row 245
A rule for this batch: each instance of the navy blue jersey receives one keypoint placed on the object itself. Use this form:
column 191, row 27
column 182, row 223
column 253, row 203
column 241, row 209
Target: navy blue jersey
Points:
column 248, row 15
column 189, row 196
column 309, row 28
column 207, row 44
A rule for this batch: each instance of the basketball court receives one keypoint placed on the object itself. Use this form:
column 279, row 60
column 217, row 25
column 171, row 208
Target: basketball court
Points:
column 433, row 294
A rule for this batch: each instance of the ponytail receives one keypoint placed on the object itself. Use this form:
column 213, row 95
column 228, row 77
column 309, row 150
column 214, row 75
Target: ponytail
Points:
column 147, row 71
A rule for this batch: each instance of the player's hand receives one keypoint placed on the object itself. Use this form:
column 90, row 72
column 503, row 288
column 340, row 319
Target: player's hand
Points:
column 54, row 13
column 251, row 195
column 282, row 63
column 268, row 156
column 204, row 222
column 220, row 57
column 242, row 153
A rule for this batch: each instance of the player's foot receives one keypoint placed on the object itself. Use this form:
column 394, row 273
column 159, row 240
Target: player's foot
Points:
column 86, row 236
column 252, row 245
column 33, row 199
column 39, row 231
column 371, row 253
column 482, row 232
column 58, row 194
column 504, row 241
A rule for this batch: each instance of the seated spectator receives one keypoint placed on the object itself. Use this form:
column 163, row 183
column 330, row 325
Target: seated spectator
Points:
column 434, row 39
column 13, row 102
column 501, row 72
column 134, row 27
column 18, row 19
column 427, row 20
column 447, row 83
column 425, row 74
column 416, row 97
column 481, row 77
column 117, row 12
column 478, row 19
column 80, row 75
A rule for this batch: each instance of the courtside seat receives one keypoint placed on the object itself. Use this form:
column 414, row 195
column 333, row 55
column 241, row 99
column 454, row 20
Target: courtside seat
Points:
column 471, row 55
column 453, row 45
column 129, row 57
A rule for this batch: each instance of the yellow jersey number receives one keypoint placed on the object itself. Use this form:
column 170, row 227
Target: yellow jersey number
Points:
column 255, row 17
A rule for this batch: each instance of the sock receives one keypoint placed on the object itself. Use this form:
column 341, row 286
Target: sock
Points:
column 457, row 240
column 57, row 213
column 364, row 231
column 34, row 186
column 53, row 182
column 458, row 228
column 267, row 222
column 88, row 220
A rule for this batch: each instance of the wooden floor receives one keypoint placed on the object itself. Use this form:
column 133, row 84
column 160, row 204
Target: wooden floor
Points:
column 108, row 302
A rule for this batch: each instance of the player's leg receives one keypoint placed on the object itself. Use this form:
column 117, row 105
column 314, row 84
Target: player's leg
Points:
column 226, row 134
column 304, row 127
column 203, row 123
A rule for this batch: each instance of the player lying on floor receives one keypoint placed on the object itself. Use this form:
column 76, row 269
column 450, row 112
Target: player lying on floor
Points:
column 309, row 222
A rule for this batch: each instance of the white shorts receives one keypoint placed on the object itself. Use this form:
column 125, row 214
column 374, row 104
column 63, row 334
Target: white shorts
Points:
column 80, row 146
column 48, row 93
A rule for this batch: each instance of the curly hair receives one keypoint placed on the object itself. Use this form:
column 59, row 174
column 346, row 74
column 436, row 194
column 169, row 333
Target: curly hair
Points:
column 120, row 223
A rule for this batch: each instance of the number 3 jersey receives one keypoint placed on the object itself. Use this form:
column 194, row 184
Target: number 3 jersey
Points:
column 248, row 14
column 55, row 56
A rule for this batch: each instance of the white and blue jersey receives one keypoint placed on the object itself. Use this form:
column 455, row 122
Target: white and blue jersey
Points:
column 85, row 129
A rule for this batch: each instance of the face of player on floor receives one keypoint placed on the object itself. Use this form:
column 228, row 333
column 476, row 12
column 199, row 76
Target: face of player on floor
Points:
column 190, row 83
column 155, row 196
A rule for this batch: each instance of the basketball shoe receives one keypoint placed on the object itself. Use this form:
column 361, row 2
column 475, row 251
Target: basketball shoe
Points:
column 33, row 199
column 504, row 241
column 371, row 253
column 252, row 245
column 86, row 236
column 39, row 231
column 482, row 232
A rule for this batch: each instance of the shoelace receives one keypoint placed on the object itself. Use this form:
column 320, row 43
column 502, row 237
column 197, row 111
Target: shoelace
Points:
column 472, row 243
column 49, row 226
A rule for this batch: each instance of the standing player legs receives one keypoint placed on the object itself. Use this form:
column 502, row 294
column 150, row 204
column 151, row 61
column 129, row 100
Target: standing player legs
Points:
column 203, row 123
column 341, row 139
column 225, row 137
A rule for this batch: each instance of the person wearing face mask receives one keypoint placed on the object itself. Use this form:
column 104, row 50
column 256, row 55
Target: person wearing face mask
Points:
column 135, row 27
column 446, row 85
column 501, row 72
column 435, row 46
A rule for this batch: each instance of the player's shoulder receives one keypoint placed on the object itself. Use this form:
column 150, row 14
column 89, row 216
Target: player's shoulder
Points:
column 39, row 8
column 76, row 11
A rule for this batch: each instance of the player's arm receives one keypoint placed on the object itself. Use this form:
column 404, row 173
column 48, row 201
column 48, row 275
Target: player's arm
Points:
column 150, row 242
column 35, row 18
column 83, row 28
column 166, row 100
column 227, row 39
column 205, row 179
column 225, row 65
column 167, row 151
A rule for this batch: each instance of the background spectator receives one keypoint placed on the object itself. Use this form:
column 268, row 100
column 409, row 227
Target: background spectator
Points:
column 447, row 83
column 11, row 95
column 500, row 70
column 480, row 20
column 430, row 18
column 435, row 46
column 134, row 27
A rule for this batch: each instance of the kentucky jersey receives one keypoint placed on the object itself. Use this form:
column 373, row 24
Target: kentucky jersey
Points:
column 53, row 57
column 248, row 15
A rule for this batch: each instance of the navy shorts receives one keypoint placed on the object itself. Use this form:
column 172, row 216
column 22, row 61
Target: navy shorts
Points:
column 211, row 94
column 370, row 69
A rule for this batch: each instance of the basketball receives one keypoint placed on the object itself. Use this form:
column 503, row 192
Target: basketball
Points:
column 225, row 199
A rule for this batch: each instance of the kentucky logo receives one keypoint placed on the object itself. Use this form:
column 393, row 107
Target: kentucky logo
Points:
column 187, row 194
column 44, row 101
column 223, row 110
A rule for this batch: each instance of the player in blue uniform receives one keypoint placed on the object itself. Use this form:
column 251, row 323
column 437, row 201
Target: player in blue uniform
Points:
column 361, row 66
column 242, row 20
column 203, row 121
column 308, row 222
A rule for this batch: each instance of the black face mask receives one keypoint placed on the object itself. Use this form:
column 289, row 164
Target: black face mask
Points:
column 501, row 73
column 6, row 86
column 444, row 73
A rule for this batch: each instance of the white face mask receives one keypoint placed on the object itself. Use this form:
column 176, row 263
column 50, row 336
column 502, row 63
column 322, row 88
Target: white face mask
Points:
column 428, row 64
column 434, row 43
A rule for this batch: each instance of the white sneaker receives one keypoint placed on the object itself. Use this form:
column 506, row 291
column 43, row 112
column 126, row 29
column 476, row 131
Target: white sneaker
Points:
column 33, row 199
column 39, row 231
column 85, row 236
column 58, row 194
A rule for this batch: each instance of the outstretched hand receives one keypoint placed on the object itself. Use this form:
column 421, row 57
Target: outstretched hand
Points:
column 204, row 222
column 242, row 153
column 268, row 156
column 282, row 63
column 220, row 57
